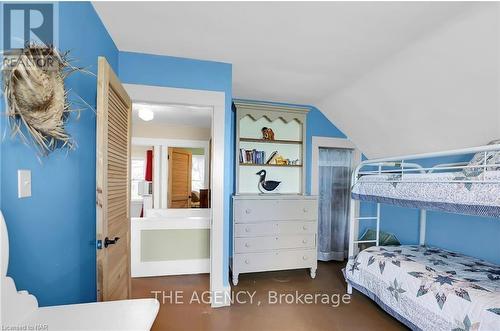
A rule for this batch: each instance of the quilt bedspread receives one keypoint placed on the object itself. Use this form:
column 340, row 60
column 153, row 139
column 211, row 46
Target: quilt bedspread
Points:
column 429, row 288
column 450, row 192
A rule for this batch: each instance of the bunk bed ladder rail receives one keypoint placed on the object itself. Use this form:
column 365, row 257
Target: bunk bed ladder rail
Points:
column 358, row 218
column 354, row 217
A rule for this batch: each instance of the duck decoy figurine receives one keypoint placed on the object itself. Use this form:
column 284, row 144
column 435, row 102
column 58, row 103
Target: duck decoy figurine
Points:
column 266, row 185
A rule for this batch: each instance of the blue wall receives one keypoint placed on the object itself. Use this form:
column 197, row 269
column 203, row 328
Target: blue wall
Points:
column 147, row 69
column 52, row 251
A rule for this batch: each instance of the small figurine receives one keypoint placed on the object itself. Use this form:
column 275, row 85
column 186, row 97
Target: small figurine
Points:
column 267, row 133
column 266, row 185
column 279, row 160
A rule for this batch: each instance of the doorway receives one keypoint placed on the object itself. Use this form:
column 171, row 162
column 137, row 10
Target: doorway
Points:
column 202, row 228
column 333, row 161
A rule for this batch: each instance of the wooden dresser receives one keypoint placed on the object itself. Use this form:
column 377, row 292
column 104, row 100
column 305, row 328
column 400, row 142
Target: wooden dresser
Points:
column 274, row 233
column 276, row 230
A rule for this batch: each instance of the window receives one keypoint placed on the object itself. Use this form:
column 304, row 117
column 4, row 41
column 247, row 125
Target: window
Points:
column 197, row 172
column 138, row 170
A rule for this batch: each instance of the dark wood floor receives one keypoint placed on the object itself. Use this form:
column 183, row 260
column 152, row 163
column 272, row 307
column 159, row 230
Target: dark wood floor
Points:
column 360, row 314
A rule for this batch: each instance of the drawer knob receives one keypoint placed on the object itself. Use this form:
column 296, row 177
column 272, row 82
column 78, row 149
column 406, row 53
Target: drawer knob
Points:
column 247, row 245
column 247, row 229
column 304, row 241
column 304, row 257
column 304, row 227
column 247, row 261
column 304, row 210
column 248, row 211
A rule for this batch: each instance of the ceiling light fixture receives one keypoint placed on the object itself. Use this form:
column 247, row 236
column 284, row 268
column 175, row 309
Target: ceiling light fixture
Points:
column 146, row 114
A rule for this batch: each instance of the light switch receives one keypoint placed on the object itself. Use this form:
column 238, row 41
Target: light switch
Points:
column 23, row 183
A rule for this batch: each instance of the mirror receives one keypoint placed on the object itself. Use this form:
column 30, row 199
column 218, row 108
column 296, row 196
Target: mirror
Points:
column 170, row 166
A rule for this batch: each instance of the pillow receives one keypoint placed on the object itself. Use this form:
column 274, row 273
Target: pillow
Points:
column 385, row 239
column 492, row 157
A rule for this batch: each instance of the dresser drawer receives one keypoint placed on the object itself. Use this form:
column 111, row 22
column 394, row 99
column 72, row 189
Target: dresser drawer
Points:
column 274, row 228
column 259, row 244
column 287, row 259
column 253, row 210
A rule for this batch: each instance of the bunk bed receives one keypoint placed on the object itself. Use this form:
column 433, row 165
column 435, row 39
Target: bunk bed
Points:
column 428, row 288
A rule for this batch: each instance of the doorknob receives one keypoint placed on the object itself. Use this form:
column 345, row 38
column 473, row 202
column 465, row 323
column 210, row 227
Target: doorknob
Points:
column 108, row 242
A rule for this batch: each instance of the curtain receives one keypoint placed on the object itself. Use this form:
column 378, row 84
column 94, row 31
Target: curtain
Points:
column 335, row 169
column 148, row 173
column 148, row 177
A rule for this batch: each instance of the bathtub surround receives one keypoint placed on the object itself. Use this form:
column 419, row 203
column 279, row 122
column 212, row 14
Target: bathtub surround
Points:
column 171, row 242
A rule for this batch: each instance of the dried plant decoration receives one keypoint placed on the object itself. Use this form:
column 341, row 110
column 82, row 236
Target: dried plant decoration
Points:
column 37, row 102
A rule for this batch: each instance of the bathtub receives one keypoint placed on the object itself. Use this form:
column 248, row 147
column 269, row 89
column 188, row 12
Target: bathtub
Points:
column 170, row 242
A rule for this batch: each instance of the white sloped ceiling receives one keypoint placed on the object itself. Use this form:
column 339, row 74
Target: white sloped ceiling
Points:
column 396, row 77
column 440, row 93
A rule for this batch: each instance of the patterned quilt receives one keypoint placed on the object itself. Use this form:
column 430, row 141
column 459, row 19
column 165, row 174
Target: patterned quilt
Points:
column 433, row 191
column 429, row 288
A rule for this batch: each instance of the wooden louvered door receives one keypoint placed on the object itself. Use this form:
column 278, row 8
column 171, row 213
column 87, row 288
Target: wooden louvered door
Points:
column 179, row 178
column 113, row 186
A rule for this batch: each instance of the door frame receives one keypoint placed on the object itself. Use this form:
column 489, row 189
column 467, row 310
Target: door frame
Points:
column 329, row 142
column 217, row 102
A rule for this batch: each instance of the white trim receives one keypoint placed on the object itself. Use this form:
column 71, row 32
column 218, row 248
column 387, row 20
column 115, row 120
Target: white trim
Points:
column 157, row 176
column 222, row 297
column 328, row 142
column 215, row 100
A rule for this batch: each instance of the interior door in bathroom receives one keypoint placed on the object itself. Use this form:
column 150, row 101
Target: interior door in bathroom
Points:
column 114, row 109
column 179, row 178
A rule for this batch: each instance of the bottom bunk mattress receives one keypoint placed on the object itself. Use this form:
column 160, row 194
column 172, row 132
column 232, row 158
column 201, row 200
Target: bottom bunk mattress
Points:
column 429, row 288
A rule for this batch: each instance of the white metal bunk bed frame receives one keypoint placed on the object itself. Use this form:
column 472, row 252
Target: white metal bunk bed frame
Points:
column 399, row 165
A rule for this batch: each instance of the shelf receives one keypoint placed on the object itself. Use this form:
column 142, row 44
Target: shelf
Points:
column 271, row 165
column 292, row 142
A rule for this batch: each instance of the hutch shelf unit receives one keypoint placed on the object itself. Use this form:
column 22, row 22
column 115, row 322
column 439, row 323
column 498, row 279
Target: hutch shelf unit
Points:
column 273, row 230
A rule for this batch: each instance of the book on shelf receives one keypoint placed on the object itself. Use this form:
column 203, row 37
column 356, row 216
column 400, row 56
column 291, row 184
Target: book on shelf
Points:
column 252, row 156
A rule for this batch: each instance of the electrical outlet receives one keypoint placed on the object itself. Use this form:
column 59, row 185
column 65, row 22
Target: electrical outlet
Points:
column 23, row 183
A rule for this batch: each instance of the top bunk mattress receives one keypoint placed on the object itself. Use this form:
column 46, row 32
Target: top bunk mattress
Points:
column 449, row 191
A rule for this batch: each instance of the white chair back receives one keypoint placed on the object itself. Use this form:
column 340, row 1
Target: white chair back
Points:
column 4, row 246
column 16, row 306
